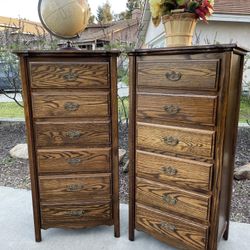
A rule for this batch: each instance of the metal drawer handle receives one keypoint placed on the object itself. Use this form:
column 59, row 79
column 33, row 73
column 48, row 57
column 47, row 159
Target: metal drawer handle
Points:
column 171, row 109
column 76, row 213
column 173, row 76
column 168, row 227
column 169, row 171
column 169, row 200
column 74, row 187
column 71, row 106
column 74, row 161
column 170, row 140
column 74, row 134
column 70, row 77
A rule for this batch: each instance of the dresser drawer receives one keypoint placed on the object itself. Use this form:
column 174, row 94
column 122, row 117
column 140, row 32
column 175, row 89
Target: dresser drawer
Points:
column 172, row 199
column 74, row 216
column 75, row 187
column 77, row 134
column 170, row 229
column 74, row 160
column 69, row 75
column 174, row 171
column 176, row 140
column 70, row 104
column 177, row 108
column 184, row 74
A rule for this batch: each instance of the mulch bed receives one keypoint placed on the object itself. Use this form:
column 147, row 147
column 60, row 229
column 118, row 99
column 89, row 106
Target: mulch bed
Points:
column 15, row 172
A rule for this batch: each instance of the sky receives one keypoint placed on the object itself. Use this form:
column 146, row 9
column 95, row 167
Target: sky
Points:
column 28, row 8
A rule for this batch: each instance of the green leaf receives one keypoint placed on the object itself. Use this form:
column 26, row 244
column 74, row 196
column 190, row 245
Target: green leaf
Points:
column 181, row 2
column 192, row 6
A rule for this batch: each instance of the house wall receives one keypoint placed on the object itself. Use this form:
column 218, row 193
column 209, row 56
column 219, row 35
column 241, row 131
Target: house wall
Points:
column 214, row 32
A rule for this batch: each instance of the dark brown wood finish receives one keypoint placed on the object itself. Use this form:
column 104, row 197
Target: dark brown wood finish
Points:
column 31, row 147
column 115, row 142
column 132, row 142
column 71, row 114
column 183, row 125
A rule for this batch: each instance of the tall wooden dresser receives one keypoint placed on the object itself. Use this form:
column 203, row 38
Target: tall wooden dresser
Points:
column 70, row 100
column 184, row 107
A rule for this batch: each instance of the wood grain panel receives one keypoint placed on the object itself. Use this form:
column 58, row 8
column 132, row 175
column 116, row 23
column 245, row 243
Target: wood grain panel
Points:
column 69, row 74
column 74, row 160
column 170, row 229
column 74, row 214
column 77, row 134
column 75, row 187
column 168, row 198
column 73, row 104
column 177, row 108
column 187, row 74
column 176, row 140
column 174, row 171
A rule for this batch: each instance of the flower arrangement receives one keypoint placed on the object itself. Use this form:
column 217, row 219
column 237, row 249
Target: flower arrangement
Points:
column 159, row 8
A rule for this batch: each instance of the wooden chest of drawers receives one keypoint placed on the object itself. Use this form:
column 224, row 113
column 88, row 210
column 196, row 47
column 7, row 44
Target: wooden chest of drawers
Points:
column 184, row 106
column 70, row 100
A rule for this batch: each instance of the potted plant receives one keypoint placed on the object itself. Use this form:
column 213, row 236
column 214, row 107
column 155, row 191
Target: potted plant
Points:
column 179, row 18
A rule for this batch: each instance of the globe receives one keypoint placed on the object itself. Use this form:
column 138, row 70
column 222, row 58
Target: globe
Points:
column 64, row 18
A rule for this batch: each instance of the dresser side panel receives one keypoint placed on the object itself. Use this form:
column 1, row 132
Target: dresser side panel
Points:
column 31, row 145
column 231, row 129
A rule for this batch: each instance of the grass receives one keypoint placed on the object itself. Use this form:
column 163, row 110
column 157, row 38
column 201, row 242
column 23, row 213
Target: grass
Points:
column 11, row 110
column 244, row 109
column 123, row 108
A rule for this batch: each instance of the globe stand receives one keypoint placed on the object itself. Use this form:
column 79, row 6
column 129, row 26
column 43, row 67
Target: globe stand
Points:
column 69, row 46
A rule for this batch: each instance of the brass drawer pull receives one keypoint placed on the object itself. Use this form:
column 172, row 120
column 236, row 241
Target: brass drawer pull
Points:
column 70, row 77
column 168, row 227
column 169, row 171
column 173, row 76
column 171, row 109
column 74, row 187
column 170, row 140
column 74, row 134
column 74, row 161
column 169, row 200
column 76, row 213
column 71, row 106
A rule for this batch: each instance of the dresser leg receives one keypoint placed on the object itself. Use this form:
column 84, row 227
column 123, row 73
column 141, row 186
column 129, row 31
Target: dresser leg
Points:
column 38, row 235
column 226, row 233
column 117, row 231
column 132, row 235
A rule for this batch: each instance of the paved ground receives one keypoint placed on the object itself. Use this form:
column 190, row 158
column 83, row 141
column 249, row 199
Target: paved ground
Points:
column 16, row 231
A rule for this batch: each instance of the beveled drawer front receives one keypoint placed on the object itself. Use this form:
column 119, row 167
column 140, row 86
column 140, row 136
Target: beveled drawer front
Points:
column 70, row 104
column 168, row 198
column 190, row 74
column 170, row 229
column 75, row 215
column 171, row 170
column 75, row 187
column 177, row 108
column 77, row 134
column 69, row 74
column 74, row 160
column 177, row 140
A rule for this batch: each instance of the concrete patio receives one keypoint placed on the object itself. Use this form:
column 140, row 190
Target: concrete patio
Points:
column 16, row 231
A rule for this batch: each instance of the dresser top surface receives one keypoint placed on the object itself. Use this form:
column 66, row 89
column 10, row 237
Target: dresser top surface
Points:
column 191, row 49
column 60, row 53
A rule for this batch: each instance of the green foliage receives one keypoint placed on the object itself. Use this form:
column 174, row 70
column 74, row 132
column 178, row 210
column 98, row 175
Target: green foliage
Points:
column 92, row 19
column 131, row 5
column 245, row 109
column 104, row 14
